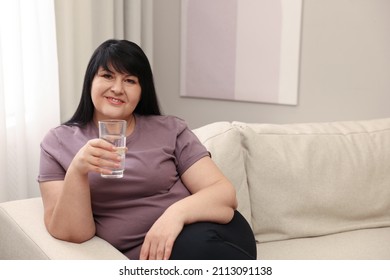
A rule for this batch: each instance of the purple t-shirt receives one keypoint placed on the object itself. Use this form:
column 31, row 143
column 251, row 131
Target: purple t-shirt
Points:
column 160, row 150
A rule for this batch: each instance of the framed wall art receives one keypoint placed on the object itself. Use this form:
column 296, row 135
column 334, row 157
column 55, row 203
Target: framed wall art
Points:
column 242, row 50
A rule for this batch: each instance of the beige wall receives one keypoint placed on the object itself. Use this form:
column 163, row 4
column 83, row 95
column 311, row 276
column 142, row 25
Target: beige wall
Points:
column 344, row 70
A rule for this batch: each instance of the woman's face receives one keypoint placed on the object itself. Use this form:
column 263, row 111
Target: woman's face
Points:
column 114, row 95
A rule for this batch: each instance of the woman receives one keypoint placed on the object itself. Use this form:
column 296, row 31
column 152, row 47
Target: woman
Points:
column 172, row 203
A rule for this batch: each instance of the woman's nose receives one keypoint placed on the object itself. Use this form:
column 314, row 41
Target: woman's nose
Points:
column 117, row 87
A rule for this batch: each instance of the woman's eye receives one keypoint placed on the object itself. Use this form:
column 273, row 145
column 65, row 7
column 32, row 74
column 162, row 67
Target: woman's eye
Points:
column 131, row 81
column 107, row 76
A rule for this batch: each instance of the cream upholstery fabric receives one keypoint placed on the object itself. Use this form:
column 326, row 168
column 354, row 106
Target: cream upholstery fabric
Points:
column 317, row 179
column 364, row 244
column 24, row 236
column 224, row 143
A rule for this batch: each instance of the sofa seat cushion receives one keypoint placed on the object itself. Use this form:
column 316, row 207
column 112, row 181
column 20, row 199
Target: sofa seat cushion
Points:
column 317, row 179
column 365, row 244
column 223, row 142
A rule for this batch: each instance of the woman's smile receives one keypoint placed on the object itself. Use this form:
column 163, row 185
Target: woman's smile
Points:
column 114, row 101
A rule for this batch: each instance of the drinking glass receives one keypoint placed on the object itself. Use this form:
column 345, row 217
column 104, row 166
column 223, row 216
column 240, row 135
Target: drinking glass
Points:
column 114, row 131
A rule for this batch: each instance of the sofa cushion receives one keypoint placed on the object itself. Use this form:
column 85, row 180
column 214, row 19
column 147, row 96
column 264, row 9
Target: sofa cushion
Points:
column 364, row 244
column 316, row 179
column 224, row 144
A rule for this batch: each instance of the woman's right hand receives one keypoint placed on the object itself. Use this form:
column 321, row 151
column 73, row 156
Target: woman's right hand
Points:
column 97, row 155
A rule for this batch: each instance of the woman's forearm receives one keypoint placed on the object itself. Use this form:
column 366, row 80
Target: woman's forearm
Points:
column 68, row 210
column 71, row 218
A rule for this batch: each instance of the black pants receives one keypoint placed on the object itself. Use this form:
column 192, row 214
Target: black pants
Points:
column 211, row 241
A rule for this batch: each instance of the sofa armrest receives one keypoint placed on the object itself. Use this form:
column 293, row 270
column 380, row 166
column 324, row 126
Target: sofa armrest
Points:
column 23, row 236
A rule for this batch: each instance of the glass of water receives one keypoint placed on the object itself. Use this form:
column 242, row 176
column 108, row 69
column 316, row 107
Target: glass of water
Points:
column 114, row 131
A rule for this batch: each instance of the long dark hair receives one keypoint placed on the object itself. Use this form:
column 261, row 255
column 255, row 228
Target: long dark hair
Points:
column 125, row 57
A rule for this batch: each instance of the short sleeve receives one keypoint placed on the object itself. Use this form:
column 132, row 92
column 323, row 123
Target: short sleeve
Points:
column 50, row 168
column 188, row 148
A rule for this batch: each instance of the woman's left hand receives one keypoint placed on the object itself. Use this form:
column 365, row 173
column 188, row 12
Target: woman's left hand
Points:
column 212, row 199
column 160, row 238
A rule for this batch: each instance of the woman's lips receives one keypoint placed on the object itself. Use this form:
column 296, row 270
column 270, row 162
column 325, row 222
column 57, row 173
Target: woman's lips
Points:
column 115, row 101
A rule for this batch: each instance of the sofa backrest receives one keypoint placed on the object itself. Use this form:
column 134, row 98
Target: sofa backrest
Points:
column 223, row 141
column 308, row 179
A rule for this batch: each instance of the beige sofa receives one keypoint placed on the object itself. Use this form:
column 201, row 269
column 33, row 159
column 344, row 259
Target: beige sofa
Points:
column 309, row 191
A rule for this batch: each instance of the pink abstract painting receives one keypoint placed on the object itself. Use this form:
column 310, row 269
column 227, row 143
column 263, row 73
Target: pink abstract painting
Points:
column 243, row 50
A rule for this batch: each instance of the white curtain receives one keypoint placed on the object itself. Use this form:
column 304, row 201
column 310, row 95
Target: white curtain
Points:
column 82, row 25
column 29, row 93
